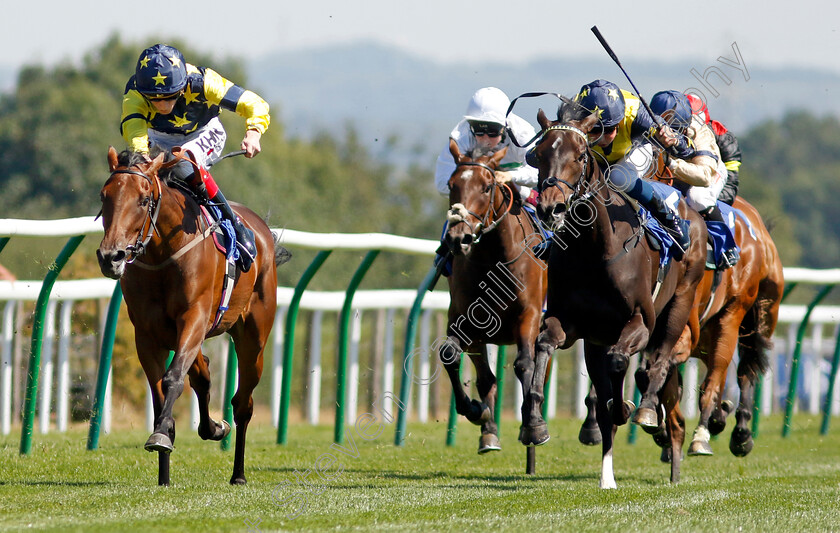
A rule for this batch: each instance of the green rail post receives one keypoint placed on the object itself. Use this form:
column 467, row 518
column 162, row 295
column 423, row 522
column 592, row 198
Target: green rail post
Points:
column 105, row 355
column 452, row 427
column 832, row 378
column 230, row 385
column 501, row 355
column 794, row 368
column 289, row 344
column 410, row 331
column 3, row 242
column 759, row 384
column 547, row 386
column 37, row 338
column 344, row 341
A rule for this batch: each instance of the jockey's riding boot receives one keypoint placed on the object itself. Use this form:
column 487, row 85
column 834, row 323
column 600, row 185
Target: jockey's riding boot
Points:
column 730, row 256
column 671, row 221
column 244, row 236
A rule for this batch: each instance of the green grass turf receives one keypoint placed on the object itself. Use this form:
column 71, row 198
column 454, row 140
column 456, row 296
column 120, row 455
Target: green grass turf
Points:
column 790, row 484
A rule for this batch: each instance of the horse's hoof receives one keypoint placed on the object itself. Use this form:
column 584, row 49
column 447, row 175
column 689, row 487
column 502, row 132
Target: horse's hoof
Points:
column 646, row 418
column 741, row 443
column 158, row 442
column 226, row 429
column 534, row 435
column 699, row 447
column 479, row 413
column 589, row 435
column 488, row 442
column 238, row 480
column 727, row 406
column 665, row 456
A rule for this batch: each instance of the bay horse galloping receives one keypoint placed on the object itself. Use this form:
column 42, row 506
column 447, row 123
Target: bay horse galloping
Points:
column 604, row 280
column 739, row 307
column 497, row 285
column 173, row 281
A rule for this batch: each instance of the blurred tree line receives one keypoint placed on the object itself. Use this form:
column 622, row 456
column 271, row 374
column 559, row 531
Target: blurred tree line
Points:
column 56, row 125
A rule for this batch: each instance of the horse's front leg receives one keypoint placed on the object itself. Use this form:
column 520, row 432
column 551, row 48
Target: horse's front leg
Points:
column 450, row 356
column 531, row 368
column 191, row 334
column 208, row 429
column 153, row 360
column 486, row 384
column 633, row 338
column 598, row 365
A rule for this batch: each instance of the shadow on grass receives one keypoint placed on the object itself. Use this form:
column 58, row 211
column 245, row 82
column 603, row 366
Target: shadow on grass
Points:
column 56, row 483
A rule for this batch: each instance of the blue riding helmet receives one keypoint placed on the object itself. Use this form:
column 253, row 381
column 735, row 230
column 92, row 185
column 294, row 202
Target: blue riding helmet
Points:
column 161, row 71
column 604, row 98
column 676, row 105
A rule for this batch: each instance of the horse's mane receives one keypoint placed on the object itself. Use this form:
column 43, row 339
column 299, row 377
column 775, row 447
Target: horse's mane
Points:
column 570, row 111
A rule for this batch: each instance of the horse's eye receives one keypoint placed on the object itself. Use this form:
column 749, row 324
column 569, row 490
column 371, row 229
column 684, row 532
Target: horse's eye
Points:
column 144, row 202
column 487, row 188
column 581, row 156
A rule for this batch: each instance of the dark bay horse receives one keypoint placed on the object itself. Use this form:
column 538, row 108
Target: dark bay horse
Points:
column 604, row 280
column 739, row 307
column 172, row 278
column 497, row 285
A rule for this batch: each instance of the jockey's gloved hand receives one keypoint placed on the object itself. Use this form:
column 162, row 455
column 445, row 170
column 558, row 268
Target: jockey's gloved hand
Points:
column 503, row 176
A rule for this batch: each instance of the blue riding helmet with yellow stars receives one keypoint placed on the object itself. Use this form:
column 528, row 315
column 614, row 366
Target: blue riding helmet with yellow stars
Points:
column 622, row 110
column 201, row 93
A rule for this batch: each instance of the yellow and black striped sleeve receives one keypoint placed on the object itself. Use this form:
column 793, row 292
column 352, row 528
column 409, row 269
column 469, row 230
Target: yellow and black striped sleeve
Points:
column 232, row 97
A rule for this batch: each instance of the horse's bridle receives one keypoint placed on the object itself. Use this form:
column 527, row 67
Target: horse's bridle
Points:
column 580, row 191
column 457, row 210
column 139, row 248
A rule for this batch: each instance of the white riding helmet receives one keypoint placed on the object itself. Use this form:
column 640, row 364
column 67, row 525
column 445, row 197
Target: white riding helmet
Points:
column 488, row 105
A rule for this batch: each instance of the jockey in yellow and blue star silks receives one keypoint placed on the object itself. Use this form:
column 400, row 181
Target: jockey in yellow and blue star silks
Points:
column 622, row 138
column 703, row 172
column 169, row 103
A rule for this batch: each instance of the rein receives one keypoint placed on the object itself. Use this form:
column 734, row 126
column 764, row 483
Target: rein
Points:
column 457, row 211
column 140, row 246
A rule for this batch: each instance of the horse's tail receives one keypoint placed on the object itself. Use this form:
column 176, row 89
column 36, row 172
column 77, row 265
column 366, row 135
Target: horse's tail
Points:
column 281, row 253
column 756, row 331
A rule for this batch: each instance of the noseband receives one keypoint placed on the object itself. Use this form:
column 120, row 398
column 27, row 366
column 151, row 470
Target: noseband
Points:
column 139, row 248
column 458, row 212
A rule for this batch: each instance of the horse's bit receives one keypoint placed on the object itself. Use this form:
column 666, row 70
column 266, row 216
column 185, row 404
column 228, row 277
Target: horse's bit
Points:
column 457, row 211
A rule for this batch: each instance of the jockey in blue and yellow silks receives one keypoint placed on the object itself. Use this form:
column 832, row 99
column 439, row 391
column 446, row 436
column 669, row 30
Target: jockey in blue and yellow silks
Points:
column 169, row 103
column 622, row 138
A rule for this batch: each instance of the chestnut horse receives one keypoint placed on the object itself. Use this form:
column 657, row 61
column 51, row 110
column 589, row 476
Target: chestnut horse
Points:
column 738, row 306
column 497, row 285
column 172, row 278
column 604, row 281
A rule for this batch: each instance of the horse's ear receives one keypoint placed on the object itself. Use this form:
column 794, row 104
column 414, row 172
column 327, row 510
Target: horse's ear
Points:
column 453, row 149
column 498, row 156
column 587, row 123
column 543, row 120
column 112, row 158
column 156, row 163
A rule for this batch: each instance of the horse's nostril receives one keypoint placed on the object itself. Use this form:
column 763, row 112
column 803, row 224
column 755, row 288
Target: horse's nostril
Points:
column 118, row 256
column 558, row 209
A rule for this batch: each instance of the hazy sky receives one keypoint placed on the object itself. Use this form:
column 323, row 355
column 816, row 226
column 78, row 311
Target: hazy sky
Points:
column 770, row 33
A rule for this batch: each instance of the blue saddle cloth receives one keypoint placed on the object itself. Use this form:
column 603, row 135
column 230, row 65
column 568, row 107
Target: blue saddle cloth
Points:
column 667, row 246
column 532, row 212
